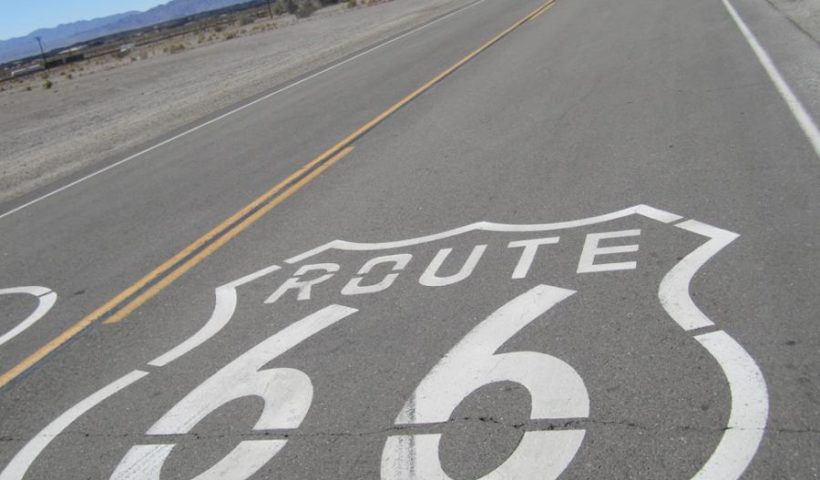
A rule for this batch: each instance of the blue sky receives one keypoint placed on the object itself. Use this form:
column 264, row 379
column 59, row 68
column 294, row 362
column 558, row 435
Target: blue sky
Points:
column 20, row 17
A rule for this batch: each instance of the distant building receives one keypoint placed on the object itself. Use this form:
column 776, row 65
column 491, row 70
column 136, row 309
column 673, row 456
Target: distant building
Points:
column 72, row 49
column 36, row 67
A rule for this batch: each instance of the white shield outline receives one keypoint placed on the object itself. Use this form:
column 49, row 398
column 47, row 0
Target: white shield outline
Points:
column 45, row 301
column 749, row 396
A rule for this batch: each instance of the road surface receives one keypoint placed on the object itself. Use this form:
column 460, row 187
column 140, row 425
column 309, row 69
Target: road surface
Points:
column 526, row 240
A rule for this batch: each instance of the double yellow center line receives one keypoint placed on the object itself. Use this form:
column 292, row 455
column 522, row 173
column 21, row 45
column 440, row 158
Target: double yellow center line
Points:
column 130, row 299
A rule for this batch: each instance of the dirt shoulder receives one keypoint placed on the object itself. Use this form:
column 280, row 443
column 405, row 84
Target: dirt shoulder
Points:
column 805, row 13
column 101, row 109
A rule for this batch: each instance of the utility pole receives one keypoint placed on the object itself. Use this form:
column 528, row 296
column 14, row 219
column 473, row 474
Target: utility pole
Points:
column 270, row 10
column 42, row 52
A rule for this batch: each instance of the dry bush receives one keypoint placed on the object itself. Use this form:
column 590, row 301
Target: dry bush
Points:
column 282, row 7
column 305, row 9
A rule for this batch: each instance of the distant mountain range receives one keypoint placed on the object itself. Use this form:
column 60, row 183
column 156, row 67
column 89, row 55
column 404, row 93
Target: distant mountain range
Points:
column 84, row 30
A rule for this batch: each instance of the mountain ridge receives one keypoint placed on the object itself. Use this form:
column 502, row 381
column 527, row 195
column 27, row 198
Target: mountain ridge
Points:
column 84, row 30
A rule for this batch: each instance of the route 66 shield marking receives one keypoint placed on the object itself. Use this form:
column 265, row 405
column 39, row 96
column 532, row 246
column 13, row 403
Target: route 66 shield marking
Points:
column 527, row 295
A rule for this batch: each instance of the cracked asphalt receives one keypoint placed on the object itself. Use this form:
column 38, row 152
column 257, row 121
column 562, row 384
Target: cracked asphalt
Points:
column 589, row 251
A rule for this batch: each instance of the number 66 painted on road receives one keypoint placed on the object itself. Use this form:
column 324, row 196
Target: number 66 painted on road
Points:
column 287, row 394
column 557, row 392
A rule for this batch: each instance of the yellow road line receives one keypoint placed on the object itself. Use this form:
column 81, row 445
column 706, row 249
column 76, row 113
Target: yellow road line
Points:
column 89, row 319
column 198, row 243
column 224, row 232
column 193, row 261
column 542, row 11
column 409, row 98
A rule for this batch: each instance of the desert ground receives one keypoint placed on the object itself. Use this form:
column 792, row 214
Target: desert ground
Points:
column 108, row 108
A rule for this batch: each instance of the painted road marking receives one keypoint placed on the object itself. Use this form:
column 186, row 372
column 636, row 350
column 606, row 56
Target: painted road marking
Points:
column 530, row 249
column 797, row 109
column 224, row 307
column 287, row 394
column 469, row 365
column 642, row 210
column 431, row 278
column 592, row 249
column 749, row 411
column 154, row 282
column 19, row 465
column 399, row 262
column 301, row 284
column 45, row 301
column 225, row 238
column 682, row 308
column 541, row 12
column 149, row 293
column 144, row 462
column 556, row 389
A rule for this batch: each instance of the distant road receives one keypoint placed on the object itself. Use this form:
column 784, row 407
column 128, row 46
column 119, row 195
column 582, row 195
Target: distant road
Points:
column 526, row 240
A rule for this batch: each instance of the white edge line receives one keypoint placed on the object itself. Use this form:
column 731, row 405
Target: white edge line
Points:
column 749, row 413
column 19, row 465
column 803, row 118
column 644, row 210
column 236, row 110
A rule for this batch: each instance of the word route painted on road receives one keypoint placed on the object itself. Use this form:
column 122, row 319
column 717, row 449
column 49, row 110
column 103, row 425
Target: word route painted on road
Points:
column 309, row 276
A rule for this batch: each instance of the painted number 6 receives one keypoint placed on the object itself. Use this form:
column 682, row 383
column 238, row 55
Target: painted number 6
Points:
column 557, row 391
column 287, row 394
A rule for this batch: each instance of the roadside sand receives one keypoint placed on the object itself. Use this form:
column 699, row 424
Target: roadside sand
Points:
column 110, row 107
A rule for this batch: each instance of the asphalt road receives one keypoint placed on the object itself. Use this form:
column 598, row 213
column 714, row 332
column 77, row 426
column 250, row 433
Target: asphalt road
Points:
column 586, row 245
